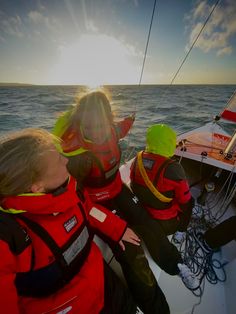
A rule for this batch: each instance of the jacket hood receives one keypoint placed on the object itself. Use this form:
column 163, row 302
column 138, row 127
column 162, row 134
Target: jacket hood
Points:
column 41, row 203
column 161, row 140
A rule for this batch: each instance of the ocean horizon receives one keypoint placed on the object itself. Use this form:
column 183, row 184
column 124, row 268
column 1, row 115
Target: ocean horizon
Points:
column 135, row 84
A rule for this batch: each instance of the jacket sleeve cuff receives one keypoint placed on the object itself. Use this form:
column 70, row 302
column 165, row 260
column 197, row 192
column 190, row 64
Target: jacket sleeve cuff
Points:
column 106, row 222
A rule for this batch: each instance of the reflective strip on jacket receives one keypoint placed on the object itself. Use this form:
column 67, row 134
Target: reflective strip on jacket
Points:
column 61, row 216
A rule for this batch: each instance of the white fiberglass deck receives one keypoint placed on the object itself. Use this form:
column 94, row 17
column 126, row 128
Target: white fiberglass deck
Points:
column 216, row 299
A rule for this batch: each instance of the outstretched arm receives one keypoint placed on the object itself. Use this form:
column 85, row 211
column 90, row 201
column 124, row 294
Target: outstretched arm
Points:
column 123, row 127
column 112, row 226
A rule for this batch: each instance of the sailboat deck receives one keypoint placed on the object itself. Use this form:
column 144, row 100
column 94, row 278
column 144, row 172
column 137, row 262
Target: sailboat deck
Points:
column 216, row 298
column 207, row 144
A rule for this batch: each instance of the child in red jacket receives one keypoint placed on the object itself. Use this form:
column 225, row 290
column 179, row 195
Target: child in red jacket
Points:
column 49, row 263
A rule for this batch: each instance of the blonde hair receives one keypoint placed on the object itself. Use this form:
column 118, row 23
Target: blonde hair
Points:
column 96, row 102
column 21, row 162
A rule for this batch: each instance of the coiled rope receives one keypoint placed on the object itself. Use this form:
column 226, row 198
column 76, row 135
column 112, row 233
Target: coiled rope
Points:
column 205, row 264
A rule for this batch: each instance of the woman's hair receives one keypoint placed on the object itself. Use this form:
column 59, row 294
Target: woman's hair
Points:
column 95, row 103
column 21, row 162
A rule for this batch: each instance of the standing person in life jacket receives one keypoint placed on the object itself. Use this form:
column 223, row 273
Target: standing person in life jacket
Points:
column 49, row 263
column 160, row 184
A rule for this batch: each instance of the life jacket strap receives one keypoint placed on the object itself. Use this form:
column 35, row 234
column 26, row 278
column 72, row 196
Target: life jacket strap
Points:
column 13, row 233
column 148, row 183
column 68, row 261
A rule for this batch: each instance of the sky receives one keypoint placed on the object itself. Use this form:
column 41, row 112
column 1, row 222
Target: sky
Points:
column 96, row 42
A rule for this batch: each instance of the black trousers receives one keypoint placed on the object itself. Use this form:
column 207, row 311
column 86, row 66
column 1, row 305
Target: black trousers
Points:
column 138, row 274
column 117, row 298
column 128, row 207
column 141, row 280
column 222, row 233
column 179, row 223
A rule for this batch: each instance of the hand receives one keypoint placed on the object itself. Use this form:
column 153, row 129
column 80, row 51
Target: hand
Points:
column 129, row 236
column 133, row 116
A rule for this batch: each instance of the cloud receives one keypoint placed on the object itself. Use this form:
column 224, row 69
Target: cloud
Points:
column 220, row 29
column 38, row 18
column 10, row 25
column 41, row 6
column 91, row 26
column 135, row 2
column 224, row 51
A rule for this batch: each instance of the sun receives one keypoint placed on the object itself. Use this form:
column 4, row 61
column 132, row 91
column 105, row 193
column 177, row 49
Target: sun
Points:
column 96, row 60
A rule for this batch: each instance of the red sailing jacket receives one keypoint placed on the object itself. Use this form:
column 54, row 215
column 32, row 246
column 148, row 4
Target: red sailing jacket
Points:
column 103, row 181
column 67, row 221
column 169, row 179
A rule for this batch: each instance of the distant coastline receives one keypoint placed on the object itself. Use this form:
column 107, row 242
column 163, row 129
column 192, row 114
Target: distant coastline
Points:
column 5, row 84
column 15, row 84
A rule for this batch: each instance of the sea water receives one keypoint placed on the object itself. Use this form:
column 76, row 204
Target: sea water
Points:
column 183, row 107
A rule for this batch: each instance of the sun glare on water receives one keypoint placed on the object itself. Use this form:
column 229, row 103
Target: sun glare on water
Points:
column 95, row 60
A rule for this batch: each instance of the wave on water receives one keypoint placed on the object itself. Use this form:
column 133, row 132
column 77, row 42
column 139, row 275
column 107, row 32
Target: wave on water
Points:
column 184, row 107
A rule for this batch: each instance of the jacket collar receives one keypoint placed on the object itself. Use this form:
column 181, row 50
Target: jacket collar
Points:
column 40, row 203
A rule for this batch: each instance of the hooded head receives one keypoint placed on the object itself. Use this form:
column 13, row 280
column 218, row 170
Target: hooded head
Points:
column 161, row 140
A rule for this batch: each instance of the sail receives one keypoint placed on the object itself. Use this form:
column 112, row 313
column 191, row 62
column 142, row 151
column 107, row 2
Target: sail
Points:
column 229, row 113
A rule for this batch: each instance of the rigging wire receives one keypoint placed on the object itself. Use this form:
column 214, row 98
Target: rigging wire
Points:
column 147, row 43
column 190, row 49
column 188, row 143
column 225, row 197
column 127, row 154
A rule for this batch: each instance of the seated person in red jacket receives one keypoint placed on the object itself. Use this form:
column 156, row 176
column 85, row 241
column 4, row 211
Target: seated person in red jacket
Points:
column 217, row 236
column 49, row 262
column 160, row 182
column 161, row 186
